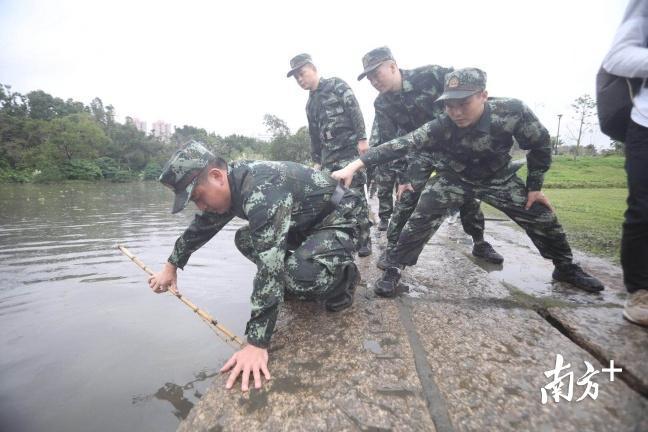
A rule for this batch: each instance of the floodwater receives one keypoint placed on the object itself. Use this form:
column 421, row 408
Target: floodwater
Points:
column 85, row 344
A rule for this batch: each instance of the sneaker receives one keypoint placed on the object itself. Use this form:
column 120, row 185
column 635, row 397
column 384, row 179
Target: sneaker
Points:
column 365, row 250
column 384, row 223
column 485, row 251
column 573, row 274
column 387, row 284
column 384, row 262
column 344, row 299
column 636, row 307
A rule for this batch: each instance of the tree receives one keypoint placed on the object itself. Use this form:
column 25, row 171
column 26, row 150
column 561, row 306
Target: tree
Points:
column 76, row 136
column 585, row 108
column 275, row 126
column 41, row 105
column 98, row 111
column 287, row 147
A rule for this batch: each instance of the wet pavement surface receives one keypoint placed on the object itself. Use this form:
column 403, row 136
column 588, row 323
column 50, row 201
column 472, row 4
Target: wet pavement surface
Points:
column 468, row 347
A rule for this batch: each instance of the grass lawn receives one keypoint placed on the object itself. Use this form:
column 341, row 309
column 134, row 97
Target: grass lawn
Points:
column 584, row 172
column 591, row 217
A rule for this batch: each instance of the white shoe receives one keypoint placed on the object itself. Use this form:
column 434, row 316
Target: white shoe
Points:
column 636, row 307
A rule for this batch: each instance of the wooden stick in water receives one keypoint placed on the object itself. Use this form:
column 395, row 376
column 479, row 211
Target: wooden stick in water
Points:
column 224, row 333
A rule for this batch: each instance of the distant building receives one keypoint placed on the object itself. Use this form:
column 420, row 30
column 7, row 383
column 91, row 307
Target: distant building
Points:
column 140, row 125
column 162, row 130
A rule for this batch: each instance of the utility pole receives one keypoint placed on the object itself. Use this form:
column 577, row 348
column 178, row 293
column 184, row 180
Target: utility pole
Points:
column 557, row 143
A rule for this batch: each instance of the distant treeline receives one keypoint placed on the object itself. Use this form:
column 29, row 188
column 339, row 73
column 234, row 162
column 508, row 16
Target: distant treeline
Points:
column 45, row 138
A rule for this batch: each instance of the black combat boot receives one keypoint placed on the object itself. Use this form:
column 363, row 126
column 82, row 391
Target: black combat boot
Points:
column 384, row 262
column 342, row 297
column 384, row 223
column 573, row 274
column 485, row 251
column 365, row 249
column 387, row 284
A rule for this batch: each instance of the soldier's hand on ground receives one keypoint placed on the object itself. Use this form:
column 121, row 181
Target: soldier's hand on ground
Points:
column 317, row 167
column 166, row 279
column 539, row 197
column 363, row 147
column 249, row 360
column 402, row 188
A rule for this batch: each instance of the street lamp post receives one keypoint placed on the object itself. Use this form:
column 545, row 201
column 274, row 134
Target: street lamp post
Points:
column 557, row 136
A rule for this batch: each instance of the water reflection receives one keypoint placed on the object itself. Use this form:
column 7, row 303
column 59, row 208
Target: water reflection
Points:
column 175, row 394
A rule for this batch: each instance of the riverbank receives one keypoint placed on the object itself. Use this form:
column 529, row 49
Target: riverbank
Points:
column 466, row 348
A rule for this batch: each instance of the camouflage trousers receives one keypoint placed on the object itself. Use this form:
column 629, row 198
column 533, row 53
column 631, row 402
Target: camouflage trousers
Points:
column 316, row 265
column 420, row 169
column 508, row 195
column 385, row 177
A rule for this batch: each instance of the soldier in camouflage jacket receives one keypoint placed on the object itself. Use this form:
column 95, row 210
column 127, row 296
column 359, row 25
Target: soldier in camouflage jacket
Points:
column 408, row 100
column 472, row 145
column 301, row 243
column 336, row 129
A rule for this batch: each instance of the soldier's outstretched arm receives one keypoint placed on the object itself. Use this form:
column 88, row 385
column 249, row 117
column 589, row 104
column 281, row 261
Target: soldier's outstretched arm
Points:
column 424, row 137
column 200, row 231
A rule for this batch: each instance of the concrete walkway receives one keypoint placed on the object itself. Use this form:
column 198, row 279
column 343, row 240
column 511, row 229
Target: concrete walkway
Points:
column 465, row 349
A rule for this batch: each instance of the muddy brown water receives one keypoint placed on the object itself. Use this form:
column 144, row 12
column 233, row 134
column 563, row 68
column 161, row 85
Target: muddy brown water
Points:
column 84, row 344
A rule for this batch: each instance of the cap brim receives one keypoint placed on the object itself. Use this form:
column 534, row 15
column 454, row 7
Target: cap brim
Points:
column 369, row 69
column 182, row 197
column 292, row 71
column 457, row 94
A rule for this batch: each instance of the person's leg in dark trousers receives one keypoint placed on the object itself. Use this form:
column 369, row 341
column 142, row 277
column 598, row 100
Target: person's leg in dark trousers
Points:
column 385, row 177
column 437, row 197
column 542, row 226
column 634, row 240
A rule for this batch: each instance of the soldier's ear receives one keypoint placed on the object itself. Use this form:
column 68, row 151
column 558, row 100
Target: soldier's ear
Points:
column 218, row 175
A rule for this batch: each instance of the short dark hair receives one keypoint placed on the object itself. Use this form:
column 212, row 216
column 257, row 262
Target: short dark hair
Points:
column 215, row 162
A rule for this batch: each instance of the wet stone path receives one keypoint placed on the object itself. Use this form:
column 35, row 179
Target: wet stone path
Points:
column 466, row 348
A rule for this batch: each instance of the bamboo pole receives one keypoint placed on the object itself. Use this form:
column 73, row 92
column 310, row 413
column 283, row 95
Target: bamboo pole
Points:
column 230, row 338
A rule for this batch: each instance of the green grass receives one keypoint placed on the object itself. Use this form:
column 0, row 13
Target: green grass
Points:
column 591, row 218
column 584, row 172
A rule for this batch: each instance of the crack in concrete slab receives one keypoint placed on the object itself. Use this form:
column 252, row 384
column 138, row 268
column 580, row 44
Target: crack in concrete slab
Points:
column 433, row 397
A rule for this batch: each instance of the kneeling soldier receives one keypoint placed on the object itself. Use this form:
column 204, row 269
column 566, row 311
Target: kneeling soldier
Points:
column 472, row 144
column 301, row 236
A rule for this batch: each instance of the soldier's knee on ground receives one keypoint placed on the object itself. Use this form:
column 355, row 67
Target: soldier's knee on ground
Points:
column 342, row 288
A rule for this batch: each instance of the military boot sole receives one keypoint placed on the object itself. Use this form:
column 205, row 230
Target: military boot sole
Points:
column 591, row 287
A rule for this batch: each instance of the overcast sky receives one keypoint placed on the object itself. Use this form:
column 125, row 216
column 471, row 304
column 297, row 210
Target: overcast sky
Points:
column 222, row 65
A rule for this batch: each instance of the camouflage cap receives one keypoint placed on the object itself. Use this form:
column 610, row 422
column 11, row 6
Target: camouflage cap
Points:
column 375, row 58
column 181, row 172
column 462, row 83
column 298, row 61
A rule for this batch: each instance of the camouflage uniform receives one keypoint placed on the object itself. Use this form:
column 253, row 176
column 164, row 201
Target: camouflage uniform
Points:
column 396, row 114
column 335, row 125
column 293, row 251
column 475, row 163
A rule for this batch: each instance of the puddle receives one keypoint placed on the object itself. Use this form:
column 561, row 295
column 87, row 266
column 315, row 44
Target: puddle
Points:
column 372, row 346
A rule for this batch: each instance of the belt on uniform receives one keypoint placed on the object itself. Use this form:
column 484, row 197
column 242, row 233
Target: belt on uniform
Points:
column 330, row 205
